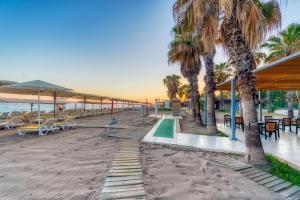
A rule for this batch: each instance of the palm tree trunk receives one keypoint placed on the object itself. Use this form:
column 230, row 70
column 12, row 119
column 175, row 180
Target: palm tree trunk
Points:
column 290, row 95
column 243, row 62
column 192, row 96
column 210, row 91
column 195, row 99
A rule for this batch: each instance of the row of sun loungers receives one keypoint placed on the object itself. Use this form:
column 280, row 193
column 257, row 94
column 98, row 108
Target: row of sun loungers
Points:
column 30, row 122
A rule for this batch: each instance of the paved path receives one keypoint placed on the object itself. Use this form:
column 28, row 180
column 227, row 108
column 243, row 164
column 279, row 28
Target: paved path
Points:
column 125, row 178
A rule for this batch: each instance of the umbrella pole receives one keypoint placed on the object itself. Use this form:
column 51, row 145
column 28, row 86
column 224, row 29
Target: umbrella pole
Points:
column 39, row 112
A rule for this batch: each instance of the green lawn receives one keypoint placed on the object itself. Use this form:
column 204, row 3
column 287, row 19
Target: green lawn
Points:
column 165, row 129
column 283, row 170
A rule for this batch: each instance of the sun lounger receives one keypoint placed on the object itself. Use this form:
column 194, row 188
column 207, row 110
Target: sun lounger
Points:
column 12, row 123
column 68, row 122
column 45, row 128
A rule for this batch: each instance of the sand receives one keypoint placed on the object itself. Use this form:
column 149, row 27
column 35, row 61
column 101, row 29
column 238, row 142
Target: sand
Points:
column 182, row 174
column 71, row 164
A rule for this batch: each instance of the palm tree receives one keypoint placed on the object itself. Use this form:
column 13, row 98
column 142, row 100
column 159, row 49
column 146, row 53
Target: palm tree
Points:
column 244, row 25
column 285, row 44
column 207, row 34
column 172, row 82
column 185, row 50
column 184, row 92
column 223, row 72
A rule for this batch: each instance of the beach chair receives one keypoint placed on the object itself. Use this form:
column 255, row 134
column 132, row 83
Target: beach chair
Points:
column 112, row 125
column 12, row 123
column 4, row 115
column 67, row 123
column 46, row 127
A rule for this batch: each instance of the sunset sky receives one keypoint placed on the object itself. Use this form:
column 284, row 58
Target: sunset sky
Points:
column 109, row 47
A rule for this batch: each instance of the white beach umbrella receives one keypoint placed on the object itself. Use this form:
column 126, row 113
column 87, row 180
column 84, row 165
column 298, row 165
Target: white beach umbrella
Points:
column 36, row 87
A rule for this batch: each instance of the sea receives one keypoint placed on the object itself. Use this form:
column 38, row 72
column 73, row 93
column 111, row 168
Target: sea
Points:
column 10, row 107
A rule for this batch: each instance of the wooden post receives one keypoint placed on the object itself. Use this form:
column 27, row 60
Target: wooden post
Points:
column 54, row 103
column 84, row 102
column 112, row 107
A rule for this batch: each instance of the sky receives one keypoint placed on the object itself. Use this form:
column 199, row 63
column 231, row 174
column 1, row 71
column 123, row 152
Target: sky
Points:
column 109, row 47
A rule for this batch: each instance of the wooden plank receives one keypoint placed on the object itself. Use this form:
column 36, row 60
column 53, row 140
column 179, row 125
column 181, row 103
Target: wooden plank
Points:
column 232, row 165
column 261, row 177
column 127, row 157
column 124, row 174
column 295, row 196
column 126, row 167
column 281, row 186
column 273, row 183
column 126, row 164
column 247, row 170
column 267, row 180
column 119, row 195
column 289, row 192
column 125, row 178
column 242, row 167
column 123, row 183
column 124, row 170
column 252, row 172
column 122, row 189
column 256, row 175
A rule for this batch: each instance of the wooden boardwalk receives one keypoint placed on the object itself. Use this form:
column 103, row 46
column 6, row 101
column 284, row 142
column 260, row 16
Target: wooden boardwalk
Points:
column 125, row 178
column 273, row 183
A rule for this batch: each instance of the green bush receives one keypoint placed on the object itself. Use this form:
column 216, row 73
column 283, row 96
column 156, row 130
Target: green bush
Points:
column 283, row 170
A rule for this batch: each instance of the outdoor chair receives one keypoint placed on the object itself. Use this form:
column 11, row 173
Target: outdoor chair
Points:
column 239, row 122
column 268, row 118
column 297, row 125
column 45, row 128
column 286, row 122
column 227, row 120
column 270, row 128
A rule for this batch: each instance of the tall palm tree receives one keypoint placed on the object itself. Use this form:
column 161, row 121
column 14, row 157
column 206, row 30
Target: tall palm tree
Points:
column 285, row 44
column 223, row 72
column 207, row 24
column 172, row 82
column 186, row 50
column 244, row 25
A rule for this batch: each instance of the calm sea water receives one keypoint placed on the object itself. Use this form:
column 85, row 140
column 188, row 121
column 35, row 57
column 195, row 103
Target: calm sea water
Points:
column 9, row 107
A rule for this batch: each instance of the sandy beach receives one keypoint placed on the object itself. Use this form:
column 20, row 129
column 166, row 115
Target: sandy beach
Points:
column 73, row 165
column 184, row 174
column 67, row 165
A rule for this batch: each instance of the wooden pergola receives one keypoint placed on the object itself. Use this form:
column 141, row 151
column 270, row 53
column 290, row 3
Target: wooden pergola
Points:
column 283, row 74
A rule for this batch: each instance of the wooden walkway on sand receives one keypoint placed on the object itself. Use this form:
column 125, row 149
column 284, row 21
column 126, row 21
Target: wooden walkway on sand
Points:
column 125, row 178
column 273, row 183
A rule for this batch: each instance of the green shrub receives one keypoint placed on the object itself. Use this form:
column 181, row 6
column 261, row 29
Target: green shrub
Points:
column 283, row 170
